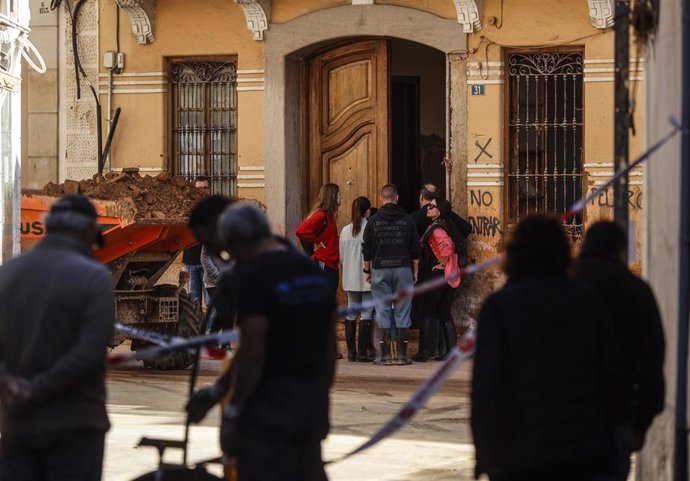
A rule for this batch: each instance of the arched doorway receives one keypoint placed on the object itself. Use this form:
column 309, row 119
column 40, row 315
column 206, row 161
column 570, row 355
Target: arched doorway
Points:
column 290, row 45
column 376, row 114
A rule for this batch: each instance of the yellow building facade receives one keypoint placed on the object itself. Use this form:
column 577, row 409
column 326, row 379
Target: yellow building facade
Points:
column 507, row 105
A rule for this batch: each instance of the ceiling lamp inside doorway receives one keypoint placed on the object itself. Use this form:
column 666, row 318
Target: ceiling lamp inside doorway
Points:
column 468, row 15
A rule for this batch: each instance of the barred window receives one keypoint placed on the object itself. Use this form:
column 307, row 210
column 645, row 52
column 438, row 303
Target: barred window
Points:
column 545, row 132
column 204, row 122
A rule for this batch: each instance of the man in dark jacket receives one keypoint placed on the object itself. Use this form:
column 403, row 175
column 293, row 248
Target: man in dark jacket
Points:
column 428, row 193
column 56, row 320
column 544, row 389
column 640, row 336
column 391, row 260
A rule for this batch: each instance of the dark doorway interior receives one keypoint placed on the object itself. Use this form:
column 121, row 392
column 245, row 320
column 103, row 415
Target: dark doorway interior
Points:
column 417, row 119
column 405, row 167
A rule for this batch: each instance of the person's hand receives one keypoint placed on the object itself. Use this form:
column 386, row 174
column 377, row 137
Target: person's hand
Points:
column 202, row 401
column 438, row 267
column 367, row 277
column 16, row 392
column 229, row 431
column 318, row 246
column 415, row 275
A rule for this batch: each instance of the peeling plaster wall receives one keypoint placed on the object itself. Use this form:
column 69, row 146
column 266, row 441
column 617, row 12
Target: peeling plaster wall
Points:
column 662, row 207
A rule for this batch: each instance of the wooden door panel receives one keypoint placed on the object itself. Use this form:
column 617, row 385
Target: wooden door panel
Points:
column 348, row 121
column 345, row 169
column 349, row 90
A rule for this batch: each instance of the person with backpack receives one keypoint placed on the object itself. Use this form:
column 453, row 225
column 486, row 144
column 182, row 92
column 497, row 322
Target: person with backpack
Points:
column 439, row 258
column 354, row 281
column 319, row 234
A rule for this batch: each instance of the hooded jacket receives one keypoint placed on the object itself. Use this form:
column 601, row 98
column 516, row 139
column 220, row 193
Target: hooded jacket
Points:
column 390, row 238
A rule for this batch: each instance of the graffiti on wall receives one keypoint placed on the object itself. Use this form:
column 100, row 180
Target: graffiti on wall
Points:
column 488, row 226
column 605, row 198
column 483, row 149
column 484, row 225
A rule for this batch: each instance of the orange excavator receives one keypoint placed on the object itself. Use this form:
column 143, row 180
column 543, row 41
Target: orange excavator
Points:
column 138, row 252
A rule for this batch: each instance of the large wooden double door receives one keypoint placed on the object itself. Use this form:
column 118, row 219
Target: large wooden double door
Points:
column 348, row 141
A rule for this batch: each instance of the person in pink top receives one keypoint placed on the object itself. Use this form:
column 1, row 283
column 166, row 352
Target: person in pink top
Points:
column 439, row 258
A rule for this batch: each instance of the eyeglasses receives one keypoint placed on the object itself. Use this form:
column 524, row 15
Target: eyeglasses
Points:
column 431, row 207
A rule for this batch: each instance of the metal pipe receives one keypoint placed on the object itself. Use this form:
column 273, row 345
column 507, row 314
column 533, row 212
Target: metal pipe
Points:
column 111, row 133
column 110, row 117
column 99, row 136
column 622, row 109
column 681, row 428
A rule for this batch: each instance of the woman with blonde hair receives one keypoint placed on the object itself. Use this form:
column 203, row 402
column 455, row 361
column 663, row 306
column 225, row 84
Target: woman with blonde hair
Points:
column 356, row 287
column 320, row 230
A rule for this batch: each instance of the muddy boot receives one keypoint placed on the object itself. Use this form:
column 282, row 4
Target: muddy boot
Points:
column 350, row 335
column 403, row 360
column 385, row 348
column 450, row 335
column 363, row 340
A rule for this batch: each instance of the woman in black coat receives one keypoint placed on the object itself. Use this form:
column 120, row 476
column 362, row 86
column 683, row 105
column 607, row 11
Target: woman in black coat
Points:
column 544, row 391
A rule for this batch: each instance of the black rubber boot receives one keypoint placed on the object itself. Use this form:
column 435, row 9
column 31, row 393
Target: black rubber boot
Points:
column 350, row 335
column 423, row 350
column 450, row 335
column 434, row 338
column 402, row 348
column 363, row 340
column 385, row 344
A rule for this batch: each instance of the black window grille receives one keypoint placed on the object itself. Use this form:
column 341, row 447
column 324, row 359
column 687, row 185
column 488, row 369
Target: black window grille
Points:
column 545, row 161
column 204, row 123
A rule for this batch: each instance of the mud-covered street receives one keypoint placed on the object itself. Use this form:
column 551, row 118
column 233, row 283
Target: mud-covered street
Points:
column 435, row 447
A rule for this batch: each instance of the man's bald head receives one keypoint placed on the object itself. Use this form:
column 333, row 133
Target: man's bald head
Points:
column 389, row 193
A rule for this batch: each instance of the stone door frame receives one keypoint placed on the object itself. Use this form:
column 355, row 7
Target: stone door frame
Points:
column 287, row 44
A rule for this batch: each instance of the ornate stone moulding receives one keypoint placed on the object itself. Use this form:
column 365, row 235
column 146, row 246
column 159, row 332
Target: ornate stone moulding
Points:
column 601, row 13
column 468, row 15
column 257, row 22
column 142, row 28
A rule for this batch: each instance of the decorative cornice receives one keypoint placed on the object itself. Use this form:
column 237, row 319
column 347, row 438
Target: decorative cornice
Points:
column 141, row 23
column 468, row 15
column 601, row 13
column 257, row 22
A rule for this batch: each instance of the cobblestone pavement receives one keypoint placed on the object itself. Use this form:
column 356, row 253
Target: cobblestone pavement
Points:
column 435, row 447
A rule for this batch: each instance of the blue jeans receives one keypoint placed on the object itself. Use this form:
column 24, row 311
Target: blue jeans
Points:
column 385, row 282
column 357, row 297
column 196, row 283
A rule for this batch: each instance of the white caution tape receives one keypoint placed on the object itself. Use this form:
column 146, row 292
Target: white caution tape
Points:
column 417, row 290
column 456, row 357
column 172, row 344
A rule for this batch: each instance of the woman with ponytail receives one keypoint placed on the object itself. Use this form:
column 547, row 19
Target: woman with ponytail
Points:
column 354, row 281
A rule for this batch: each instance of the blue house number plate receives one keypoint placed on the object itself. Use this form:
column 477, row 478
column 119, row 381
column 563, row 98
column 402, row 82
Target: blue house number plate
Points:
column 477, row 90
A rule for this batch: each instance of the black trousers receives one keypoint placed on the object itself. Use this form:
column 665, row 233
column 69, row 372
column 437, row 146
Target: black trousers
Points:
column 332, row 276
column 272, row 460
column 75, row 455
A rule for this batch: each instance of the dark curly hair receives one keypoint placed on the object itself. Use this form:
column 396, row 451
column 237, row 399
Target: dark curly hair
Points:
column 604, row 240
column 538, row 248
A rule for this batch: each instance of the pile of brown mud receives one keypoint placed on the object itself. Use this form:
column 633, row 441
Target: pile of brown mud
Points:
column 163, row 196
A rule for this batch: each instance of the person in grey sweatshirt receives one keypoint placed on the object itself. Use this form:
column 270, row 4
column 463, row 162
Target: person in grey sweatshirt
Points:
column 56, row 320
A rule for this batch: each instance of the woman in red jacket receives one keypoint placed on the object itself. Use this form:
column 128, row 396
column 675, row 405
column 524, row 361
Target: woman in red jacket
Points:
column 439, row 258
column 321, row 230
